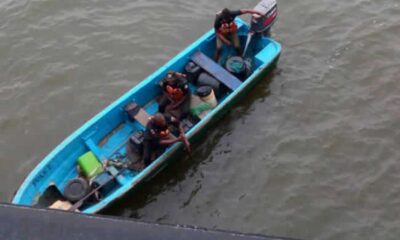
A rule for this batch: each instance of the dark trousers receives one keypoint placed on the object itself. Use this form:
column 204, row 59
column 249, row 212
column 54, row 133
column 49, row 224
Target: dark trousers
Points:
column 150, row 147
column 180, row 112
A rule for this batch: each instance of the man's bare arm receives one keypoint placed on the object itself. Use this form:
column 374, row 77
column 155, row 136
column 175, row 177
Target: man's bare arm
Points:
column 251, row 11
column 224, row 39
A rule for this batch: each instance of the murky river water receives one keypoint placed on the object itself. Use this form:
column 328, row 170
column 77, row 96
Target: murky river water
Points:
column 311, row 153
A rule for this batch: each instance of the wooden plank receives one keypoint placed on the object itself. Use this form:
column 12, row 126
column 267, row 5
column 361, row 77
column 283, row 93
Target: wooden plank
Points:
column 142, row 117
column 95, row 149
column 61, row 205
column 113, row 171
column 216, row 70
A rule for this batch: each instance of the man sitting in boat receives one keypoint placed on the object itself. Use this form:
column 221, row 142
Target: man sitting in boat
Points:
column 175, row 100
column 157, row 136
column 226, row 29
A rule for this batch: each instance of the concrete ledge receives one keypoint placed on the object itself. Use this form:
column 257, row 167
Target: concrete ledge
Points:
column 18, row 222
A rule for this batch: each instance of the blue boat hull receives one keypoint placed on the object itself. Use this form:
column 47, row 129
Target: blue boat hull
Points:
column 106, row 134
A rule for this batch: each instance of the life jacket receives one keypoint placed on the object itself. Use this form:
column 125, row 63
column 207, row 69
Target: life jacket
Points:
column 228, row 28
column 161, row 133
column 164, row 134
column 175, row 94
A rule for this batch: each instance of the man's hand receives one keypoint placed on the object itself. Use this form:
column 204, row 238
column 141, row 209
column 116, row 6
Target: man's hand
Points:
column 252, row 11
column 223, row 38
column 226, row 41
column 180, row 74
column 259, row 13
column 185, row 141
column 187, row 145
column 180, row 138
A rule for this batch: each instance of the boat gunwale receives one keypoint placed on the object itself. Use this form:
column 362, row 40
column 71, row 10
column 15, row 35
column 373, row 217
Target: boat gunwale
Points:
column 197, row 128
column 89, row 123
column 128, row 95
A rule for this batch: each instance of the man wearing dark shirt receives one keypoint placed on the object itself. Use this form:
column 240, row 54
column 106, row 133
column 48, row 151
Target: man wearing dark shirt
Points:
column 226, row 29
column 157, row 136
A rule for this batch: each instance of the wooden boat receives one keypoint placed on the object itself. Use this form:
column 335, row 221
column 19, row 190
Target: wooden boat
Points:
column 106, row 135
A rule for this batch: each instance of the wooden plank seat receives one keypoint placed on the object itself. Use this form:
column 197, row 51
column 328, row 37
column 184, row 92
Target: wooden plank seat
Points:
column 216, row 70
column 95, row 149
column 136, row 113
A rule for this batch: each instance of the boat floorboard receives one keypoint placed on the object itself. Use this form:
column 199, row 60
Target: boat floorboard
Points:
column 114, row 142
column 151, row 107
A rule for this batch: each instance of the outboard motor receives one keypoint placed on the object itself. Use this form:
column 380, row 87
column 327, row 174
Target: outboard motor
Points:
column 262, row 25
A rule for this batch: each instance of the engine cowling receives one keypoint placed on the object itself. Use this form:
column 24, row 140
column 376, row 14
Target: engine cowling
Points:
column 263, row 24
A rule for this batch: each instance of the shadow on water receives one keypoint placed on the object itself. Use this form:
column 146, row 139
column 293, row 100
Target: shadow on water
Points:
column 186, row 167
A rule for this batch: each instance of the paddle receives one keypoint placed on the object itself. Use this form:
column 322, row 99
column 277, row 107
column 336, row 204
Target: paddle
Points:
column 79, row 203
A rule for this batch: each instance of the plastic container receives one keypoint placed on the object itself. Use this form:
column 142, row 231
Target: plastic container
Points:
column 192, row 71
column 89, row 165
column 207, row 95
column 237, row 66
column 206, row 79
column 136, row 141
column 105, row 180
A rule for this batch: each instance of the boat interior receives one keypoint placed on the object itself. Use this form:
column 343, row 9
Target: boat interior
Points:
column 108, row 134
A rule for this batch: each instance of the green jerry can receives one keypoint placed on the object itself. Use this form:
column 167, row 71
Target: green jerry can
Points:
column 89, row 165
